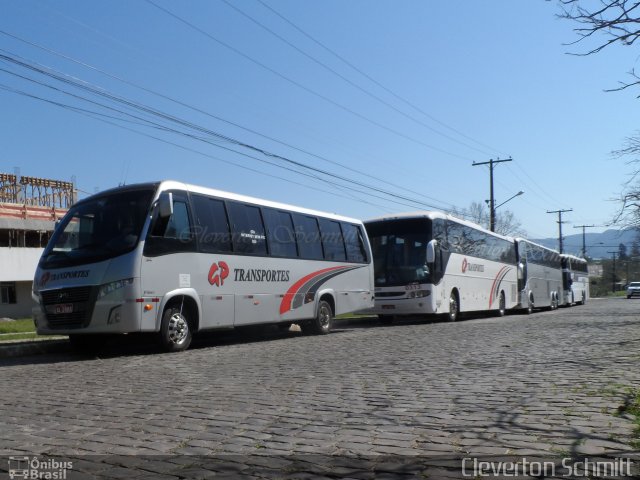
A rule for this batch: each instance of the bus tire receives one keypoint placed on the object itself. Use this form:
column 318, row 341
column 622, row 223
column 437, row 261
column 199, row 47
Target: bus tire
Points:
column 530, row 305
column 385, row 319
column 554, row 302
column 175, row 330
column 584, row 299
column 454, row 307
column 502, row 305
column 321, row 324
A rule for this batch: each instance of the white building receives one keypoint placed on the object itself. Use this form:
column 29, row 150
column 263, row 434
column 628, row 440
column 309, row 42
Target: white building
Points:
column 17, row 267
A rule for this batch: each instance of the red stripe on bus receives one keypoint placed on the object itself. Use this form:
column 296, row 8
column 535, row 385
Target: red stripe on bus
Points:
column 285, row 305
column 493, row 287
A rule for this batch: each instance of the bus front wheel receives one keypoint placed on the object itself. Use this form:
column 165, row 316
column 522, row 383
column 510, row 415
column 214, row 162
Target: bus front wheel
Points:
column 321, row 324
column 454, row 307
column 175, row 331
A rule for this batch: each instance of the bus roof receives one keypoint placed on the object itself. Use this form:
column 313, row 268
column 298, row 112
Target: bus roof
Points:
column 573, row 257
column 175, row 185
column 432, row 215
column 520, row 239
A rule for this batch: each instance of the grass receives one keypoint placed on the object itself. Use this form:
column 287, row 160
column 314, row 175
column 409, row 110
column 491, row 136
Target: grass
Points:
column 19, row 336
column 24, row 325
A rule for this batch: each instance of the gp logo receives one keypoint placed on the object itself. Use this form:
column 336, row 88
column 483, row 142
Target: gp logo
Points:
column 217, row 273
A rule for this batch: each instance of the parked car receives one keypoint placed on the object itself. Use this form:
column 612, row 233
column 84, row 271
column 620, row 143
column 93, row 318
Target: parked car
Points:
column 633, row 289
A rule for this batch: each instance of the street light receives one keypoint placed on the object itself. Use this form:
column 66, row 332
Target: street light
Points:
column 508, row 199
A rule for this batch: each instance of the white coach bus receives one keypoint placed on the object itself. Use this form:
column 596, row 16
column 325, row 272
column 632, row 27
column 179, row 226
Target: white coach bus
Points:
column 432, row 263
column 575, row 277
column 539, row 276
column 177, row 259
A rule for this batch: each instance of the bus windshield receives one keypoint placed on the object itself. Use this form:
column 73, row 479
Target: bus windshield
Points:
column 400, row 251
column 98, row 229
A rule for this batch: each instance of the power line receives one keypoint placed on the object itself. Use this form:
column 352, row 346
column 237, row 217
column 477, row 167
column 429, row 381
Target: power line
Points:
column 347, row 80
column 306, row 89
column 103, row 118
column 373, row 80
column 104, row 93
column 196, row 109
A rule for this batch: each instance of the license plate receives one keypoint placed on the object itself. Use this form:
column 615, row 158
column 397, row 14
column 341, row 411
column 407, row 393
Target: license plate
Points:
column 63, row 308
column 388, row 307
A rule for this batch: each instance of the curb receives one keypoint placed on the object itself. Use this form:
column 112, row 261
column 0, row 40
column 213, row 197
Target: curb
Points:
column 25, row 348
column 38, row 347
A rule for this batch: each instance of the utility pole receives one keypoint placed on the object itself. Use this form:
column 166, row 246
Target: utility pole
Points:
column 613, row 275
column 560, row 212
column 584, row 246
column 492, row 209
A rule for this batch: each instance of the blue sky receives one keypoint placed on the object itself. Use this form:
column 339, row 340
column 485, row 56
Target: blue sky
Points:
column 493, row 77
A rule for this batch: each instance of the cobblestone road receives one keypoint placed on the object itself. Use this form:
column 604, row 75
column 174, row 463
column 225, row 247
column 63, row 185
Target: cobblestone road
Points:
column 549, row 384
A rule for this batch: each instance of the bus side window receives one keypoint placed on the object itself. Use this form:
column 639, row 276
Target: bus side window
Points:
column 171, row 235
column 248, row 229
column 213, row 225
column 307, row 235
column 332, row 240
column 282, row 240
column 354, row 242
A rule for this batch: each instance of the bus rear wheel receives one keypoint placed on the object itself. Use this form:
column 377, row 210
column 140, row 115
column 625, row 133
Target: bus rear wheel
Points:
column 530, row 306
column 454, row 307
column 502, row 305
column 175, row 330
column 321, row 324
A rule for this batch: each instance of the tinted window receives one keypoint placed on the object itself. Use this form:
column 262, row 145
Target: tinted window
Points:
column 173, row 234
column 332, row 240
column 399, row 250
column 354, row 243
column 466, row 240
column 178, row 226
column 308, row 237
column 280, row 233
column 248, row 230
column 212, row 224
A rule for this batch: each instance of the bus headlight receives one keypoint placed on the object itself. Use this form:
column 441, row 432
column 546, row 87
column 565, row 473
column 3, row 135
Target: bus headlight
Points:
column 108, row 288
column 418, row 294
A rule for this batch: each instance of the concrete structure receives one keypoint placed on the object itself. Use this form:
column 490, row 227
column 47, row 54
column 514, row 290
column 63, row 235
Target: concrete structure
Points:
column 29, row 208
column 17, row 267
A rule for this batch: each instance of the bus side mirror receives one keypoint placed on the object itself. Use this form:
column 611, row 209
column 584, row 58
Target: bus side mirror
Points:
column 520, row 271
column 431, row 251
column 165, row 205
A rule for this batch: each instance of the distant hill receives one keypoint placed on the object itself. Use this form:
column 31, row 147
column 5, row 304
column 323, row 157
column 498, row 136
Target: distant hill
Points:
column 598, row 244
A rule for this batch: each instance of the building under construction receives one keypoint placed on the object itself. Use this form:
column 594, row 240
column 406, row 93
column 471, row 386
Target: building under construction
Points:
column 29, row 210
